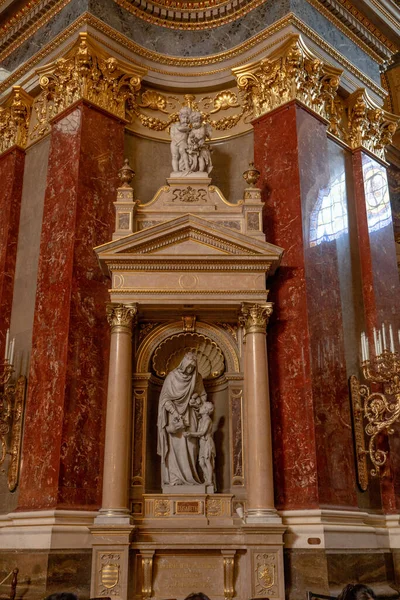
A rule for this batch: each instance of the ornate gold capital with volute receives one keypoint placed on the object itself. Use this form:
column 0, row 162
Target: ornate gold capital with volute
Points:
column 292, row 72
column 85, row 72
column 14, row 119
column 254, row 317
column 368, row 125
column 122, row 315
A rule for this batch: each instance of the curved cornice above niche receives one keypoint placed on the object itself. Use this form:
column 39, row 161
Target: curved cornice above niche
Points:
column 189, row 15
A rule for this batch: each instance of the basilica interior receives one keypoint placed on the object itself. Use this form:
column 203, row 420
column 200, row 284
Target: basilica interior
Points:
column 199, row 298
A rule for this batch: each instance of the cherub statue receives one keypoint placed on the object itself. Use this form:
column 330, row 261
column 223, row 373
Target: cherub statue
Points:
column 179, row 142
column 197, row 147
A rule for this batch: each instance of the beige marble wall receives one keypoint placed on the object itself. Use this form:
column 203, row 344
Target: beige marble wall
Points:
column 23, row 307
column 151, row 160
column 42, row 573
column 326, row 572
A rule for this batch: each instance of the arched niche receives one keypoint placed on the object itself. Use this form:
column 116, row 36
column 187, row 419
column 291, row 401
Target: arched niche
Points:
column 218, row 357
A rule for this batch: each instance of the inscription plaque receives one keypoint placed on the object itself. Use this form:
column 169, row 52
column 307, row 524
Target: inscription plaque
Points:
column 188, row 507
column 178, row 576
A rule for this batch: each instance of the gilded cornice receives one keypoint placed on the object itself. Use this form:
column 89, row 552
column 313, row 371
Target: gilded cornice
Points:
column 346, row 13
column 14, row 119
column 13, row 37
column 183, row 62
column 84, row 72
column 368, row 125
column 202, row 14
column 290, row 73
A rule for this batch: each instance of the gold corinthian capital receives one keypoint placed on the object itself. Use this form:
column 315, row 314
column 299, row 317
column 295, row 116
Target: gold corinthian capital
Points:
column 254, row 317
column 121, row 315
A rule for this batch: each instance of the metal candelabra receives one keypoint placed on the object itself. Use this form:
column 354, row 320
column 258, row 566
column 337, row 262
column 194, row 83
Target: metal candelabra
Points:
column 380, row 409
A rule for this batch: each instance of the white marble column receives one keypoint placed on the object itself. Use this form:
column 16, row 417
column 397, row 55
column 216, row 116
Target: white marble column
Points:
column 260, row 486
column 119, row 409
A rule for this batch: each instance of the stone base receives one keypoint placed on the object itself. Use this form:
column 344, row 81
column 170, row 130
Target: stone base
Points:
column 188, row 489
column 114, row 517
column 180, row 178
column 222, row 562
column 262, row 516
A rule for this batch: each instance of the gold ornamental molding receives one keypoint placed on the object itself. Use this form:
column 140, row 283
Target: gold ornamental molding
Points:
column 155, row 111
column 85, row 72
column 292, row 72
column 15, row 114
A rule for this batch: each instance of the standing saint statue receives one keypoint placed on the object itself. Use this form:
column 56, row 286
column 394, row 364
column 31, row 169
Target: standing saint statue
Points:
column 181, row 396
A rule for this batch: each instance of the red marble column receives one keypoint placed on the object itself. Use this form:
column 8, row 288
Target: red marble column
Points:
column 380, row 283
column 64, row 424
column 11, row 177
column 313, row 447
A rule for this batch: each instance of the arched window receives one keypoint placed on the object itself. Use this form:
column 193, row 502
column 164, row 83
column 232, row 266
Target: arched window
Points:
column 376, row 194
column 328, row 219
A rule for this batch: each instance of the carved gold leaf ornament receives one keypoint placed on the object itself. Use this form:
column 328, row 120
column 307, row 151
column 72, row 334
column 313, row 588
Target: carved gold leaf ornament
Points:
column 292, row 72
column 254, row 317
column 121, row 315
column 14, row 119
column 369, row 126
column 85, row 72
column 223, row 101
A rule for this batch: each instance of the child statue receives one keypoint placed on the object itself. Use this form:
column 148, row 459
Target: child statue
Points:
column 207, row 446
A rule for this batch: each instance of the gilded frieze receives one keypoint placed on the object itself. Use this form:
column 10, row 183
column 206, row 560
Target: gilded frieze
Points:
column 155, row 112
column 14, row 119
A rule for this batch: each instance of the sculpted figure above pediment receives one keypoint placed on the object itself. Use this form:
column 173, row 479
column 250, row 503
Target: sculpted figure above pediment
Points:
column 190, row 151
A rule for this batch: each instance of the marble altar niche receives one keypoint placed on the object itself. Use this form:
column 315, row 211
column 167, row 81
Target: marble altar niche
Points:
column 187, row 503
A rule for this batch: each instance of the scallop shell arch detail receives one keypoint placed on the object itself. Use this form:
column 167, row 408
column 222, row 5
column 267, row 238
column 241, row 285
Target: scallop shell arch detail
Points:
column 168, row 355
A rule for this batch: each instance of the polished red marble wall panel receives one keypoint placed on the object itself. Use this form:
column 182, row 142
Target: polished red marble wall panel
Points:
column 381, row 287
column 64, row 432
column 310, row 405
column 11, row 177
column 380, row 283
column 294, row 444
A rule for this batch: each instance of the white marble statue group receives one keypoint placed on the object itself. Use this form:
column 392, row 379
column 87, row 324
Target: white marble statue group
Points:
column 189, row 148
column 185, row 436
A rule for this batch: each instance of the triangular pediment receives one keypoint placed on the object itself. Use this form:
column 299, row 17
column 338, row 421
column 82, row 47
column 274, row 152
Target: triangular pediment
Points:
column 188, row 235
